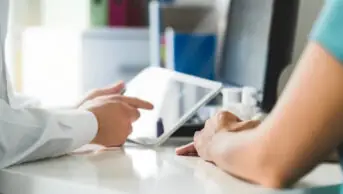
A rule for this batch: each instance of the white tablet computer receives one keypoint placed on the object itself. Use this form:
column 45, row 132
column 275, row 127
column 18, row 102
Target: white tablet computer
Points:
column 176, row 98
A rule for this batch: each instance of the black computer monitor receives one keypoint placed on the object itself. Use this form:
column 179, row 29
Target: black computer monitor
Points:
column 258, row 45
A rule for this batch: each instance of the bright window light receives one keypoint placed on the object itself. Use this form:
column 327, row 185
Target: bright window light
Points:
column 51, row 65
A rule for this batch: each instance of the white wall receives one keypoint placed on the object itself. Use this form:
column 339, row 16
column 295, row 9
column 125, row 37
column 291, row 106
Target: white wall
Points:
column 308, row 12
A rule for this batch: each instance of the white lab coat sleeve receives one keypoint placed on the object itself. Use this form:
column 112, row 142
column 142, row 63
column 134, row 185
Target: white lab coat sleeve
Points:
column 19, row 101
column 30, row 134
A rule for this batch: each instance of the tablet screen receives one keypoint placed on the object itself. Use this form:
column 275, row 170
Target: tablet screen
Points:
column 173, row 100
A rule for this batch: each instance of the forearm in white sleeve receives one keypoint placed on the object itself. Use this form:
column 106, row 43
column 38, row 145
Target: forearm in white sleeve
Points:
column 31, row 134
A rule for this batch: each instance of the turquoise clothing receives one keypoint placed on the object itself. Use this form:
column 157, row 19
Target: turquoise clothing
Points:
column 328, row 29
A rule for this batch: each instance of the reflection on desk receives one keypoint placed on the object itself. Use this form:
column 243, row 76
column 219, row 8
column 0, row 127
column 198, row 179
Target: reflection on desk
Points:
column 129, row 170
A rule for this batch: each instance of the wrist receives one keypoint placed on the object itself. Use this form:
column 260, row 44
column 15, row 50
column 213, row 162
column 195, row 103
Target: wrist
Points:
column 81, row 124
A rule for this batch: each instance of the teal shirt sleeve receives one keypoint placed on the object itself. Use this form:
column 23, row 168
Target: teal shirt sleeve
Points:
column 328, row 29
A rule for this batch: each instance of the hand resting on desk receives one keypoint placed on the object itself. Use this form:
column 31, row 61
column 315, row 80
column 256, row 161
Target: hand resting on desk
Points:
column 220, row 123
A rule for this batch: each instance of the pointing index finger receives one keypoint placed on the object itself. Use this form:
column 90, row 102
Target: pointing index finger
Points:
column 137, row 103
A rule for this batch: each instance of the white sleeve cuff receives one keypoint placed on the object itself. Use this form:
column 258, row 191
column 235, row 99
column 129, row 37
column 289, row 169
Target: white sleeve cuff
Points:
column 82, row 125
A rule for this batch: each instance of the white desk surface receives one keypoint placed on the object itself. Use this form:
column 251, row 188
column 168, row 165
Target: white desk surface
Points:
column 136, row 170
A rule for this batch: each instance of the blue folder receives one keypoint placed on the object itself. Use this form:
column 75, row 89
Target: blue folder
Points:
column 193, row 53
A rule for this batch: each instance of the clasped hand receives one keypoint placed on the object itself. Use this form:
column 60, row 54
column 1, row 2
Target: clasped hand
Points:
column 223, row 121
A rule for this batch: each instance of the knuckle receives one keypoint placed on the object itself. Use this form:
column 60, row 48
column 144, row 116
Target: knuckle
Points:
column 226, row 115
column 226, row 118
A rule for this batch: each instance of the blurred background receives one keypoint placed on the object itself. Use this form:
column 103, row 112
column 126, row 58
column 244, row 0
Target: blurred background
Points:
column 57, row 47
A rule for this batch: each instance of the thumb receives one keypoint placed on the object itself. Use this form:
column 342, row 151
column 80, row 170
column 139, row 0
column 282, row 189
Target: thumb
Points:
column 114, row 89
column 186, row 150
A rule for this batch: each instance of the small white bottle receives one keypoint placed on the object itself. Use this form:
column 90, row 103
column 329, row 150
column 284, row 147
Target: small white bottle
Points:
column 231, row 100
column 249, row 103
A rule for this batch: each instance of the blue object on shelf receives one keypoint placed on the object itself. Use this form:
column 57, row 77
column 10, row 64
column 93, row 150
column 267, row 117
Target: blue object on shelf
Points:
column 191, row 53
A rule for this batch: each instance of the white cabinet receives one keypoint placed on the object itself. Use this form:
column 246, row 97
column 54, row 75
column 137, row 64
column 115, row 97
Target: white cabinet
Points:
column 110, row 55
column 59, row 65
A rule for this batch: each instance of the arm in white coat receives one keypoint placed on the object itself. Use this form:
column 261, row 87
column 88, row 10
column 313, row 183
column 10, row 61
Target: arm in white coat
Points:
column 30, row 134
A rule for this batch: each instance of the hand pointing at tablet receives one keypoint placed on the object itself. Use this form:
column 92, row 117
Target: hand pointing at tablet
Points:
column 115, row 114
